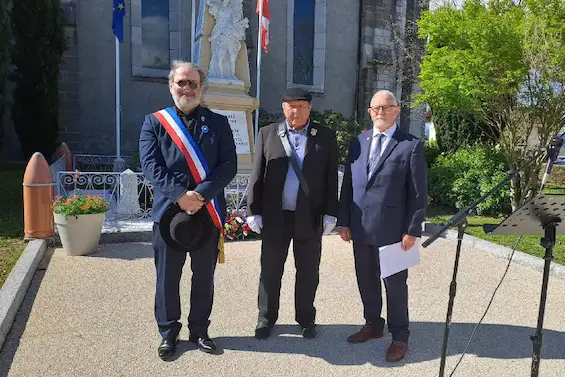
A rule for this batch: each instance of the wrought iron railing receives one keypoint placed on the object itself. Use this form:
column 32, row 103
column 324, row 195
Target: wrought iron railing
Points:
column 98, row 163
column 131, row 195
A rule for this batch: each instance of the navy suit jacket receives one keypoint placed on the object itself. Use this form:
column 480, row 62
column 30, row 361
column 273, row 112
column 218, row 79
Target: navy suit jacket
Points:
column 380, row 210
column 164, row 165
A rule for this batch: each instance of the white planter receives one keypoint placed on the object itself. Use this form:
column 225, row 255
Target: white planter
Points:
column 79, row 234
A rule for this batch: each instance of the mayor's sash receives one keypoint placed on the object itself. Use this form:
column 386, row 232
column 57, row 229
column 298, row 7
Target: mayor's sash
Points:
column 196, row 164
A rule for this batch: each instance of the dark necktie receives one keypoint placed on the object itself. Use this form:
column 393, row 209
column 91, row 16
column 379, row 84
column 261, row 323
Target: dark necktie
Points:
column 375, row 155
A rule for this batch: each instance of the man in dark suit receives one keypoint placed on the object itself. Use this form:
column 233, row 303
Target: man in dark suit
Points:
column 382, row 201
column 282, row 209
column 166, row 167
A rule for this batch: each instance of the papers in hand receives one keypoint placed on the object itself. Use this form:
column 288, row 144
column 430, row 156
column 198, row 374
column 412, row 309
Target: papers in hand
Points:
column 393, row 259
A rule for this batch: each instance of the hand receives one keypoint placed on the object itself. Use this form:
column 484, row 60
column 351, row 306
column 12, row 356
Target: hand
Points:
column 345, row 233
column 329, row 223
column 408, row 242
column 191, row 201
column 255, row 223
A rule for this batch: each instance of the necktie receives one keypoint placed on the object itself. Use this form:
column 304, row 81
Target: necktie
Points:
column 375, row 154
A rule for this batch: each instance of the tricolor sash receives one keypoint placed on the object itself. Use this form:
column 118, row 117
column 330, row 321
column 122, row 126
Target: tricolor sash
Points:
column 196, row 163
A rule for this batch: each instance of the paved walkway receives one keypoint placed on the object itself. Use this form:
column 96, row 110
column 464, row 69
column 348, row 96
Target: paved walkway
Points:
column 93, row 316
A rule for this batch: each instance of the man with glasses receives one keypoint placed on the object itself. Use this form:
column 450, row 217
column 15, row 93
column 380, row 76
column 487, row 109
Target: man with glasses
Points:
column 382, row 202
column 292, row 195
column 188, row 154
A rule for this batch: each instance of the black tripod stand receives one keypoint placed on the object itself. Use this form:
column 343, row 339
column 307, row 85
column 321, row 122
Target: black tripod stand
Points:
column 460, row 220
column 541, row 215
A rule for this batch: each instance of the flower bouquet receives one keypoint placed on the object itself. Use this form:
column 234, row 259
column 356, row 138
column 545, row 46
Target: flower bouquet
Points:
column 235, row 227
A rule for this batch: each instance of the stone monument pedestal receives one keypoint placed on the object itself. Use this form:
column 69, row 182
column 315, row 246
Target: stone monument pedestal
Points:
column 228, row 95
column 235, row 104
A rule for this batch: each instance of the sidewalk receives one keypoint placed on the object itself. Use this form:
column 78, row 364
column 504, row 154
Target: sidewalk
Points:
column 93, row 316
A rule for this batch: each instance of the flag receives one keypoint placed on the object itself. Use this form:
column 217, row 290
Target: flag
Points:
column 265, row 35
column 118, row 13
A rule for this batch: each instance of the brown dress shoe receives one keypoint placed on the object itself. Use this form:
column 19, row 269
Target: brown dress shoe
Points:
column 396, row 350
column 367, row 332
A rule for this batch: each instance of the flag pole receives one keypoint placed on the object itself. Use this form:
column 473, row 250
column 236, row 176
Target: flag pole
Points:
column 118, row 152
column 119, row 162
column 192, row 30
column 259, row 52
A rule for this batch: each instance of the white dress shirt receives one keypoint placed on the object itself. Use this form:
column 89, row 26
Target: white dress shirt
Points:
column 384, row 142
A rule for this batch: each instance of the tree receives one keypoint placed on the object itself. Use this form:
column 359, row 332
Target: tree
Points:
column 38, row 48
column 5, row 40
column 503, row 62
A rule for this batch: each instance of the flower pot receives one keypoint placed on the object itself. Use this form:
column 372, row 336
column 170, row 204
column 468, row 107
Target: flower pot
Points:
column 79, row 234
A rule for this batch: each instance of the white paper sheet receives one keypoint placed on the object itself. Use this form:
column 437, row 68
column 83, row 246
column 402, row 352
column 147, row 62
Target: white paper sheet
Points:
column 393, row 259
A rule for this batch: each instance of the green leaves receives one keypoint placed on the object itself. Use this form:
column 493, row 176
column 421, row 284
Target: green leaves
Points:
column 474, row 56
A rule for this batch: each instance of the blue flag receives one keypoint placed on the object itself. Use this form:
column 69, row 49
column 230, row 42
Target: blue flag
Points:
column 118, row 19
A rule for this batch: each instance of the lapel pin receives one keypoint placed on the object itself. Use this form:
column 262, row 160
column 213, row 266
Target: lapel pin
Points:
column 313, row 132
column 202, row 118
column 204, row 128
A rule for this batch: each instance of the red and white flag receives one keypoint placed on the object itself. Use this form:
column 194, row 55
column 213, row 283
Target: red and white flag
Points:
column 266, row 19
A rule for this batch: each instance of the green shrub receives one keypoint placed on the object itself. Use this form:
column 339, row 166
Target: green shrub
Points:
column 266, row 118
column 431, row 152
column 345, row 128
column 39, row 43
column 457, row 129
column 458, row 179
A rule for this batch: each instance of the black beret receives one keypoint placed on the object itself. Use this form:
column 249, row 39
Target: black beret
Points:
column 297, row 94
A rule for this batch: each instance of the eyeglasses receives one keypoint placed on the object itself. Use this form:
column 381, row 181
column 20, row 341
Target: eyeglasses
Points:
column 385, row 108
column 190, row 83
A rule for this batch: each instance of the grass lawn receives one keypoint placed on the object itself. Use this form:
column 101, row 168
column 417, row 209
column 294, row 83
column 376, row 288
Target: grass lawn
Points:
column 528, row 244
column 11, row 218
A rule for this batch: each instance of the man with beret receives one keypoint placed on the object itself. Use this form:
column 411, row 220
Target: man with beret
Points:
column 292, row 195
column 188, row 154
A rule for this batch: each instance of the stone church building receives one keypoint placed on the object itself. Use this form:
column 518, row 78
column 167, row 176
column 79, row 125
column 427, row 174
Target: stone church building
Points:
column 342, row 51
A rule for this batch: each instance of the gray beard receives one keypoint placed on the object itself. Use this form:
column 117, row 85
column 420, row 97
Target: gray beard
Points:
column 186, row 106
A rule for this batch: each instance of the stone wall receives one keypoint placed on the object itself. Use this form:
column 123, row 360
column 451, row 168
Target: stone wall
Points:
column 69, row 96
column 383, row 31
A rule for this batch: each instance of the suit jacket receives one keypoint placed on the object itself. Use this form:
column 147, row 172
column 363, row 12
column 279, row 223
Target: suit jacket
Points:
column 164, row 165
column 380, row 210
column 268, row 175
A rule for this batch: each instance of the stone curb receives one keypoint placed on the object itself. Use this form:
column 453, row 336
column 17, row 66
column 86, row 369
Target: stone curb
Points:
column 556, row 270
column 17, row 283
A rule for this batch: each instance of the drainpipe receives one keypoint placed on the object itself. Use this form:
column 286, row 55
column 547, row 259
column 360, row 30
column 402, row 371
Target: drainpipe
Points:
column 358, row 95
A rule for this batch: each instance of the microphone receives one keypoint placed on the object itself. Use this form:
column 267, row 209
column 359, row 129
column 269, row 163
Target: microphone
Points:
column 552, row 154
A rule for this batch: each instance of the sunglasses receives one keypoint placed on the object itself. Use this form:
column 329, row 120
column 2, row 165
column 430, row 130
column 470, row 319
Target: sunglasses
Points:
column 188, row 83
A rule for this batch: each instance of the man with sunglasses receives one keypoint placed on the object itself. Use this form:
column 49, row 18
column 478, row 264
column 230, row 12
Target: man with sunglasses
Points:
column 169, row 139
column 382, row 202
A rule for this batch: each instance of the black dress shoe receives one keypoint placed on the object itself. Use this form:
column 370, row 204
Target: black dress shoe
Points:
column 204, row 343
column 262, row 332
column 309, row 331
column 168, row 347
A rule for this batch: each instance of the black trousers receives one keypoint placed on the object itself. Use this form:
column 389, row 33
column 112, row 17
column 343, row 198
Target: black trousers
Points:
column 368, row 271
column 169, row 264
column 307, row 253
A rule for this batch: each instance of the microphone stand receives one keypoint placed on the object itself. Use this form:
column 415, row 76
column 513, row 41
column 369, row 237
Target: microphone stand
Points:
column 460, row 220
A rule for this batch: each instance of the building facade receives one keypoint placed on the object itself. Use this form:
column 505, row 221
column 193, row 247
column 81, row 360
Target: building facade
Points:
column 342, row 51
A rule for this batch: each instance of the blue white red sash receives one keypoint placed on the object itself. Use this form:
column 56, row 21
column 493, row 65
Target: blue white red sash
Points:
column 194, row 157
